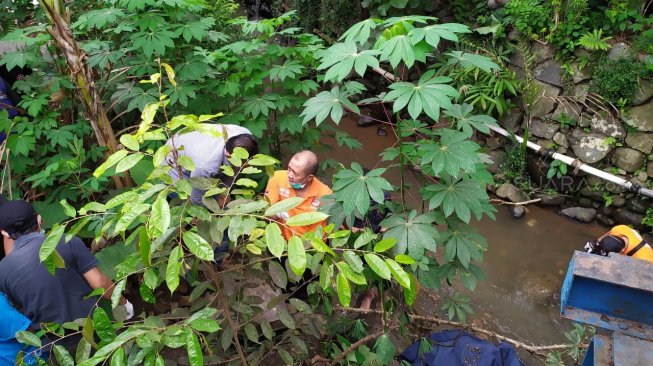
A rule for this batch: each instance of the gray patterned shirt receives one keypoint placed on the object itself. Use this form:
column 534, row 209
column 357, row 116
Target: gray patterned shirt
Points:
column 206, row 152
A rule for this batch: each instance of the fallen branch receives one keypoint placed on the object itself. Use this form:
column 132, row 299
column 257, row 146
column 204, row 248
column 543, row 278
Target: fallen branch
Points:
column 537, row 350
column 502, row 202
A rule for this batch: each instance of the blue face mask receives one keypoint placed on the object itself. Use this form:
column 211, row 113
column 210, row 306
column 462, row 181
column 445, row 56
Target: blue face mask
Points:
column 299, row 185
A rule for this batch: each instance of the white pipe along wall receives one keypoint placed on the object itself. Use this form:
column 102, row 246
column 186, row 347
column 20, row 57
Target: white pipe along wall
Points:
column 575, row 163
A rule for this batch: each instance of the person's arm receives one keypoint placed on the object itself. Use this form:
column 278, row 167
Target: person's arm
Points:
column 85, row 263
column 96, row 279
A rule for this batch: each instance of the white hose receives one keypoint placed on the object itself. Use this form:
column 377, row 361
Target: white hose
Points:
column 580, row 165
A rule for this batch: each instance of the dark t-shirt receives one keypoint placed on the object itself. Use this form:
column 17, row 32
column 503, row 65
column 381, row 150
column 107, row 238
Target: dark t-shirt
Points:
column 43, row 297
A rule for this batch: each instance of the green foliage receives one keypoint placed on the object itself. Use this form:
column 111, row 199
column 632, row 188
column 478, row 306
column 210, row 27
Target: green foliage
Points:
column 14, row 13
column 446, row 157
column 578, row 338
column 614, row 80
column 594, row 41
column 647, row 220
column 514, row 163
column 265, row 76
column 457, row 306
column 566, row 121
column 385, row 8
column 531, row 18
column 556, row 169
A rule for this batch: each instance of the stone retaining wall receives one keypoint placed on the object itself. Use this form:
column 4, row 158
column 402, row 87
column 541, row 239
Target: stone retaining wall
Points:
column 619, row 143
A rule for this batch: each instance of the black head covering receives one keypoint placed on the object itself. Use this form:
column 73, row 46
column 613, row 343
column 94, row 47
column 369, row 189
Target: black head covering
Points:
column 16, row 216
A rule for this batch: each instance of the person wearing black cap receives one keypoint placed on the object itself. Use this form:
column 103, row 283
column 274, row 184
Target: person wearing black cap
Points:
column 45, row 298
column 623, row 240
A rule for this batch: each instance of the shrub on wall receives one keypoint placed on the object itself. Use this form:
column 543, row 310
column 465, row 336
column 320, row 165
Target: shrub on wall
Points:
column 615, row 80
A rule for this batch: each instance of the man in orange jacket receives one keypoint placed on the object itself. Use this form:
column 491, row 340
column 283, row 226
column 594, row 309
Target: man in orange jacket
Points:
column 298, row 180
column 623, row 240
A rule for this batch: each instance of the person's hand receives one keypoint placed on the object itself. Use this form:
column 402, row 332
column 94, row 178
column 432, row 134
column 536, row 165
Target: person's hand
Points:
column 130, row 310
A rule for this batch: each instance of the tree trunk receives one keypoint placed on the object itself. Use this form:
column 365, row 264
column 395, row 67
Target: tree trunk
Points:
column 82, row 77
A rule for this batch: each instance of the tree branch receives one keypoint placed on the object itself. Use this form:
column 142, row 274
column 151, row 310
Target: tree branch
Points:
column 351, row 348
column 537, row 350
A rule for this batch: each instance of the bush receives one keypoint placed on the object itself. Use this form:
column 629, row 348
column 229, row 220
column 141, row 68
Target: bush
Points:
column 615, row 80
column 530, row 17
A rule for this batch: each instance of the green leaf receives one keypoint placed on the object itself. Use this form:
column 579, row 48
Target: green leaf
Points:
column 186, row 163
column 354, row 261
column 384, row 245
column 63, row 356
column 377, row 265
column 285, row 317
column 396, row 49
column 283, row 206
column 205, row 325
column 364, row 238
column 263, row 160
column 28, row 338
column 414, row 233
column 321, row 247
column 385, row 349
column 261, row 105
column 359, row 32
column 251, row 332
column 128, row 162
column 306, row 218
column 429, row 95
column 355, row 189
column 469, row 61
column 51, row 241
column 453, row 153
column 159, row 220
column 88, row 332
column 153, row 41
column 198, row 246
column 102, row 325
column 290, row 69
column 146, row 294
column 195, row 357
column 274, row 240
column 297, row 255
column 173, row 268
column 464, row 244
column 278, row 274
column 357, row 278
column 398, row 273
column 128, row 217
column 344, row 291
column 111, row 161
column 404, row 259
column 266, row 329
column 117, row 292
column 434, row 32
column 340, row 58
column 67, row 208
column 129, row 141
column 145, row 248
column 466, row 122
column 325, row 104
column 286, row 357
column 462, row 197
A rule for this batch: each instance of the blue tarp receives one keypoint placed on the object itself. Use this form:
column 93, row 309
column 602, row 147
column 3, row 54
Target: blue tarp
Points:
column 458, row 348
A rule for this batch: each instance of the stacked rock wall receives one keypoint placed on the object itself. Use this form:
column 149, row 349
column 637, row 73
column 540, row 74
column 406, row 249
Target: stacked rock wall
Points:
column 619, row 142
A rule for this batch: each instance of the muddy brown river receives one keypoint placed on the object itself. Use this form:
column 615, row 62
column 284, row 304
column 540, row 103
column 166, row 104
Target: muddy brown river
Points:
column 525, row 263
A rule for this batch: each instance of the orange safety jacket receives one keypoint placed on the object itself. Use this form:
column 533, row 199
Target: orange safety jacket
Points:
column 637, row 247
column 279, row 188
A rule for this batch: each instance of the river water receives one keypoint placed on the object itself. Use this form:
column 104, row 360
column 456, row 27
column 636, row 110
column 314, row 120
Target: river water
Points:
column 525, row 263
